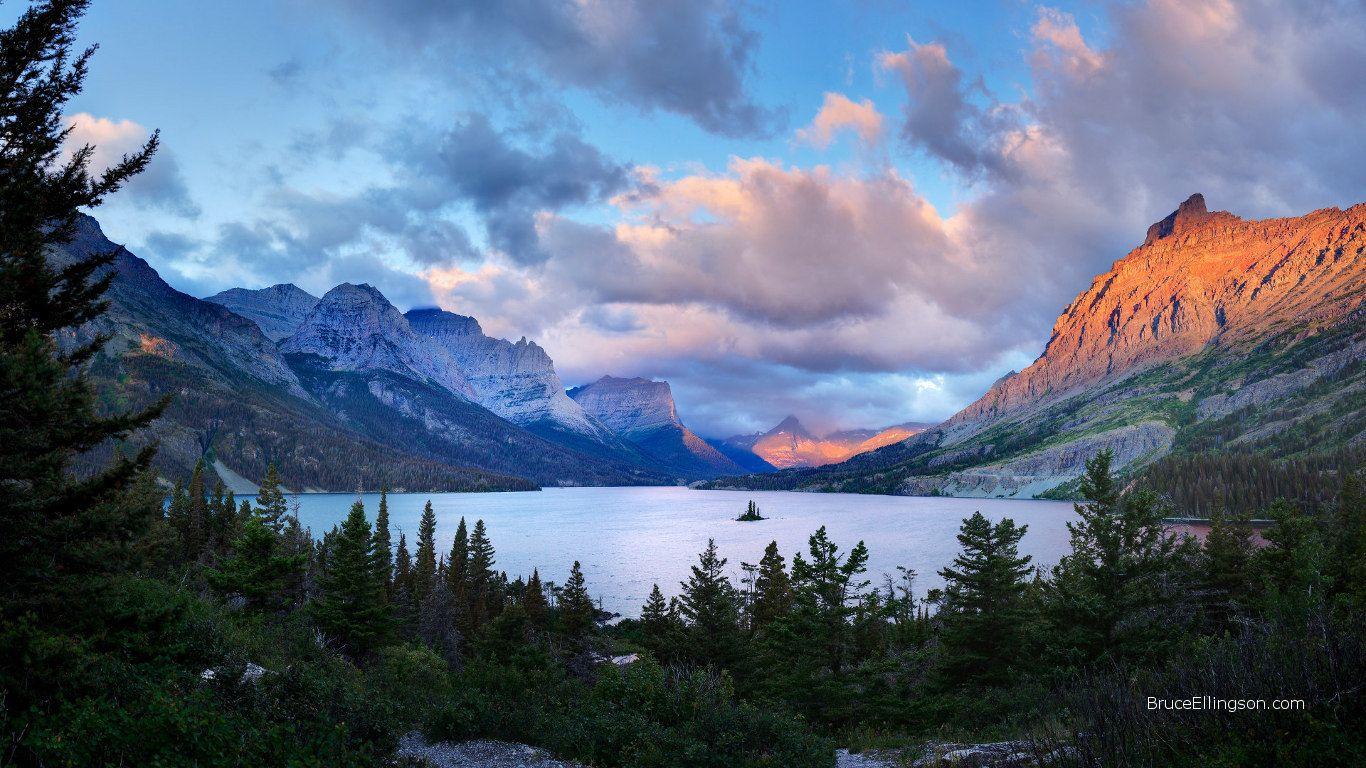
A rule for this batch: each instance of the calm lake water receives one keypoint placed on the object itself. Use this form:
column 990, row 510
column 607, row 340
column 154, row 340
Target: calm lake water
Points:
column 630, row 538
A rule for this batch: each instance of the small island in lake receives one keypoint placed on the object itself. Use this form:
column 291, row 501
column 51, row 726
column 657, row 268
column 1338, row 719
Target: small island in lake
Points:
column 751, row 514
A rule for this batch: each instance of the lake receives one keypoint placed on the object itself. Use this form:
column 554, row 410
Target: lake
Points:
column 630, row 538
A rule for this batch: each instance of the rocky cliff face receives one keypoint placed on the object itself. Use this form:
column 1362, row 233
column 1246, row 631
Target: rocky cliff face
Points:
column 644, row 412
column 1218, row 333
column 278, row 310
column 355, row 328
column 1200, row 279
column 516, row 381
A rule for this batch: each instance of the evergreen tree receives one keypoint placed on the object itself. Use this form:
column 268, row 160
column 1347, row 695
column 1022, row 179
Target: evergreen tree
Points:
column 457, row 567
column 1226, row 566
column 1114, row 594
column 481, row 578
column 660, row 626
column 405, row 607
column 384, row 546
column 534, row 602
column 271, row 503
column 772, row 589
column 1347, row 531
column 195, row 524
column 351, row 605
column 577, row 617
column 424, row 565
column 259, row 569
column 1293, row 563
column 826, row 593
column 66, row 535
column 984, row 615
column 711, row 611
column 436, row 622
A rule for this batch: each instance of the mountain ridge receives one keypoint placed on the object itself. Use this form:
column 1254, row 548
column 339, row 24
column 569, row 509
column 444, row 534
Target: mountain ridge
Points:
column 1216, row 333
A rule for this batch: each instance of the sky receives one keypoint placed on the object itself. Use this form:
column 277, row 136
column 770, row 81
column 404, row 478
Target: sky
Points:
column 861, row 213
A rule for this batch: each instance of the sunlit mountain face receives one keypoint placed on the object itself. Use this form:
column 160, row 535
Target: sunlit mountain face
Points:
column 789, row 444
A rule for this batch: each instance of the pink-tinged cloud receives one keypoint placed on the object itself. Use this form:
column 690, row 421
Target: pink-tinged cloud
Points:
column 838, row 113
column 1061, row 44
column 161, row 186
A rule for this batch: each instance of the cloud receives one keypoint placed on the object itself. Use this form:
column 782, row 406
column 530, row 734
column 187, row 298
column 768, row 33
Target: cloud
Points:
column 509, row 185
column 838, row 113
column 161, row 186
column 688, row 57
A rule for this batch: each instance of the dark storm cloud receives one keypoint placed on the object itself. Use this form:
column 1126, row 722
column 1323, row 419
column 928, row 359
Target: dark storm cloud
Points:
column 689, row 57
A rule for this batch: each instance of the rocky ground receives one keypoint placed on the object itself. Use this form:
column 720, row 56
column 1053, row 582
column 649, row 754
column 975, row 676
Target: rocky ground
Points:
column 415, row 751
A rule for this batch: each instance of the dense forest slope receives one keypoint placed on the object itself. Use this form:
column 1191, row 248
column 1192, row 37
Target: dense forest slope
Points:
column 1217, row 334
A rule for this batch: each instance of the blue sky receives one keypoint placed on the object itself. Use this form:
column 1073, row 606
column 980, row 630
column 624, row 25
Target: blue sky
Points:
column 644, row 188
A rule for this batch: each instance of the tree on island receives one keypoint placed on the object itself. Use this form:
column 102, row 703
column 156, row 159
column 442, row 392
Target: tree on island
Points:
column 751, row 514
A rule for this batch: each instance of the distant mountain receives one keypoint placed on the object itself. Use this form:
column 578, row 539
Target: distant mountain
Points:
column 237, row 400
column 746, row 458
column 1218, row 333
column 516, row 381
column 644, row 412
column 278, row 310
column 789, row 444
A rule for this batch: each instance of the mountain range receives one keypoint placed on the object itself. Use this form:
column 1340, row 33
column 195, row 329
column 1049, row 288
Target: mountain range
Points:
column 345, row 391
column 1216, row 334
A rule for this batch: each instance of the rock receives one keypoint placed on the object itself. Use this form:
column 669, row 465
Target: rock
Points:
column 413, row 748
column 278, row 310
column 643, row 412
column 1213, row 280
column 355, row 328
column 515, row 381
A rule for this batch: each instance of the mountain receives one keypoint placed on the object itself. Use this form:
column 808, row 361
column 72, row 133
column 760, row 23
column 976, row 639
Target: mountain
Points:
column 237, row 401
column 360, row 357
column 746, row 458
column 789, row 444
column 1216, row 334
column 644, row 412
column 277, row 310
column 355, row 328
column 516, row 381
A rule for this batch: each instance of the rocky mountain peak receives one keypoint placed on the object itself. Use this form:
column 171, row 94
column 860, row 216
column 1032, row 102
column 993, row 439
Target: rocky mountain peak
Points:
column 628, row 406
column 1190, row 213
column 277, row 310
column 790, row 426
column 355, row 328
column 1228, row 285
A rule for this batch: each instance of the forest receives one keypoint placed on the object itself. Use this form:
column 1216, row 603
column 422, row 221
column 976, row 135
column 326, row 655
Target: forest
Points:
column 141, row 627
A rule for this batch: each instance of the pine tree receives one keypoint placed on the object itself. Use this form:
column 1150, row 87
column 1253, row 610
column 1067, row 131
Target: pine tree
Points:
column 660, row 626
column 424, row 566
column 351, row 605
column 384, row 552
column 405, row 607
column 710, row 608
column 1114, row 595
column 1292, row 563
column 534, row 602
column 772, row 589
column 482, row 580
column 576, row 613
column 1347, row 531
column 259, row 569
column 65, row 534
column 436, row 624
column 457, row 567
column 271, row 503
column 1226, row 566
column 984, row 614
column 195, row 525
